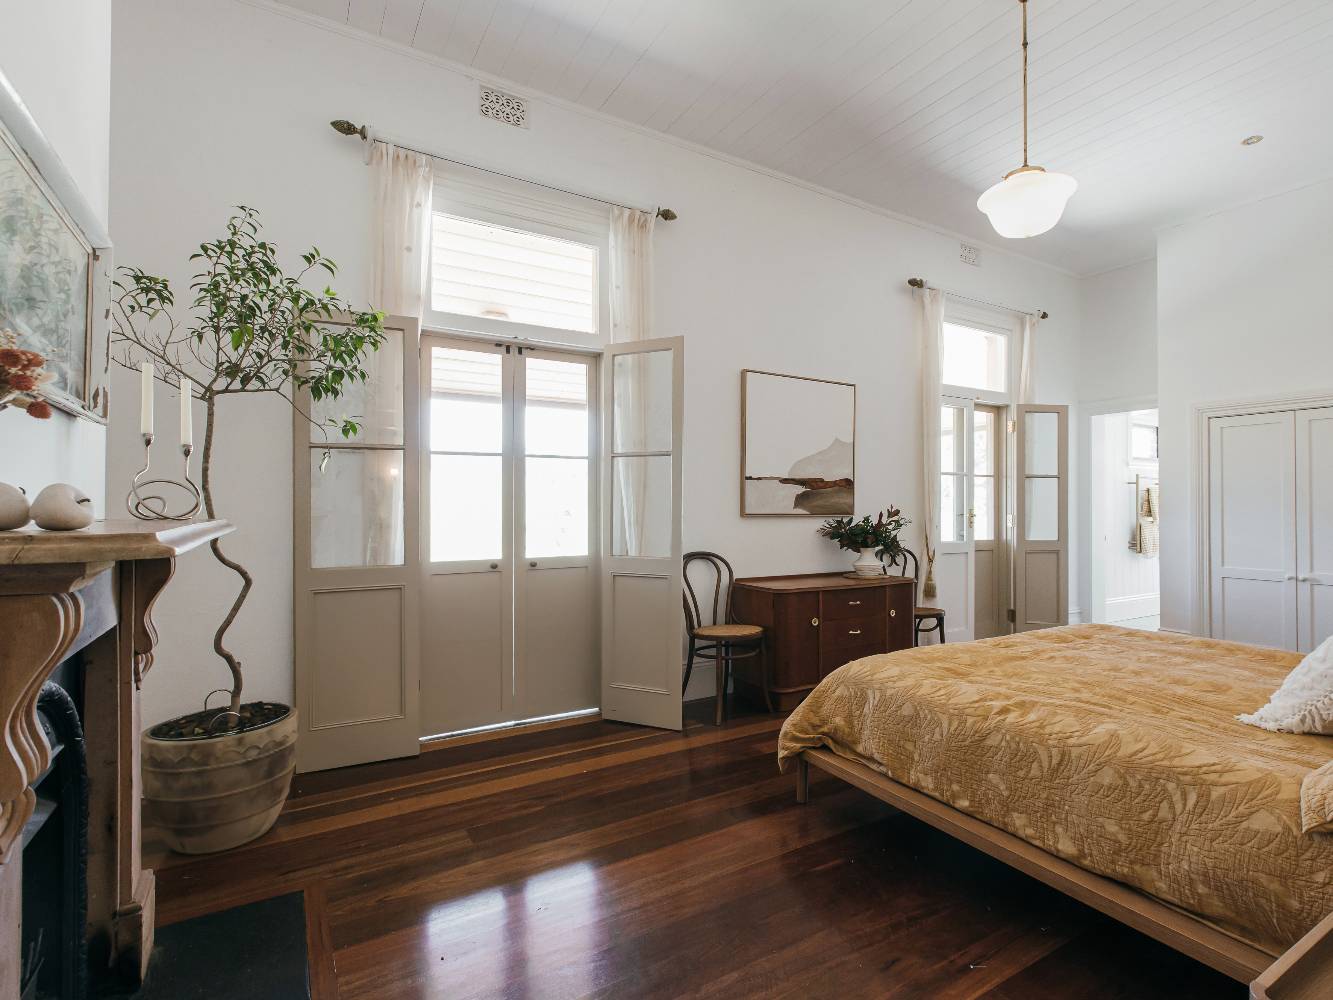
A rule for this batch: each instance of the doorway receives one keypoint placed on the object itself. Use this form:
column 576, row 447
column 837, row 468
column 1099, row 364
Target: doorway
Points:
column 509, row 518
column 1123, row 566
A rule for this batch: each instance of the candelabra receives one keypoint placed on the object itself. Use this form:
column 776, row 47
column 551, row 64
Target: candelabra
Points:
column 153, row 506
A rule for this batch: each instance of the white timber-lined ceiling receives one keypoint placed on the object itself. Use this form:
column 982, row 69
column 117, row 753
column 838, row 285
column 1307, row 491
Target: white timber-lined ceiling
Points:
column 914, row 105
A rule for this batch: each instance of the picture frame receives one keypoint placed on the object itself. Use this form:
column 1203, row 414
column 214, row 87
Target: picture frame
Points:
column 798, row 446
column 55, row 266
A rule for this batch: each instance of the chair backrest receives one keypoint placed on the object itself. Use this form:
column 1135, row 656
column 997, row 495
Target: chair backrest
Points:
column 721, row 575
column 904, row 554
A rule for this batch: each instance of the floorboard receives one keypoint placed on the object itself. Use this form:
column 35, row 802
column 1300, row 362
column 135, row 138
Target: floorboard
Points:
column 603, row 860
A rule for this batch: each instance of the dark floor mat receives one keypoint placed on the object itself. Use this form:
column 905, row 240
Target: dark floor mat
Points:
column 256, row 951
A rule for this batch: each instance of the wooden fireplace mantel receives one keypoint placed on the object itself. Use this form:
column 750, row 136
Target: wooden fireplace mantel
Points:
column 62, row 592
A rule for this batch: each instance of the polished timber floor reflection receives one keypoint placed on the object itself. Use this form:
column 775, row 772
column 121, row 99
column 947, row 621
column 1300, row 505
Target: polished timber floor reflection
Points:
column 602, row 860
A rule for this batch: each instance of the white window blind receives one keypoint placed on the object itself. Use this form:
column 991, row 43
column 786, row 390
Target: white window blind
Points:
column 491, row 272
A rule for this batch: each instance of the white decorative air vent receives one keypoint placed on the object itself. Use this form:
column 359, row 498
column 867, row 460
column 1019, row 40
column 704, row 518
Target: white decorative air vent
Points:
column 969, row 254
column 502, row 107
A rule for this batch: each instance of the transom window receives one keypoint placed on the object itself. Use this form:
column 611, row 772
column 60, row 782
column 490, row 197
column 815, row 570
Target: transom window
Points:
column 974, row 358
column 492, row 272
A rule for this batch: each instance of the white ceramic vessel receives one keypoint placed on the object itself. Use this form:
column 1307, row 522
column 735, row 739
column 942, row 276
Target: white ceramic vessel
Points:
column 61, row 507
column 14, row 510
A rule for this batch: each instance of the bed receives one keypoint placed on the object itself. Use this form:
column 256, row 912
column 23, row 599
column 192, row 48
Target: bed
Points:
column 1108, row 763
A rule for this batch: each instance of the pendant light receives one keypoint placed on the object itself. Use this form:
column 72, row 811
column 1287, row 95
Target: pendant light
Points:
column 1030, row 200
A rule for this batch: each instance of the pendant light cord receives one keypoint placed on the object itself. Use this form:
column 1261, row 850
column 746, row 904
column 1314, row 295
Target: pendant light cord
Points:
column 1024, row 5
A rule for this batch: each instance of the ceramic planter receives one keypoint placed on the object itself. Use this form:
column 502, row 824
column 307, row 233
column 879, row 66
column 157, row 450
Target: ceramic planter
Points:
column 867, row 564
column 217, row 792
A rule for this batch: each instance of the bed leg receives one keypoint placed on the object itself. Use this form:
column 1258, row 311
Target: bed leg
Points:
column 802, row 780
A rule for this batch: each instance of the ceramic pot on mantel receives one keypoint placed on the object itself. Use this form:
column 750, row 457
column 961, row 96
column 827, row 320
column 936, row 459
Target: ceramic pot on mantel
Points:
column 867, row 564
column 207, row 793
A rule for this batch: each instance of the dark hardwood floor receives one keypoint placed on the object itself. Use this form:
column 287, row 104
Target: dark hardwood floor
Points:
column 604, row 860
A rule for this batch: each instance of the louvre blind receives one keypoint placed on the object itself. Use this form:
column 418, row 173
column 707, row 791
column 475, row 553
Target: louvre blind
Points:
column 483, row 270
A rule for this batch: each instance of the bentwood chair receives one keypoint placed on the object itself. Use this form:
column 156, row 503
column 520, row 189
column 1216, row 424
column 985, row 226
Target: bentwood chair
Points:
column 726, row 640
column 921, row 615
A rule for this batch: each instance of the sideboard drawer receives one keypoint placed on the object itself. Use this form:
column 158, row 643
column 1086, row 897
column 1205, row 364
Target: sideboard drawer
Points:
column 856, row 603
column 852, row 632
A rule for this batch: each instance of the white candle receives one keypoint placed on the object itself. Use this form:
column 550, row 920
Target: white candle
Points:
column 146, row 398
column 187, row 423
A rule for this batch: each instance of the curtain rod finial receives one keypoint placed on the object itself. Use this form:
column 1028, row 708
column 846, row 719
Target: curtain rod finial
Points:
column 1043, row 315
column 343, row 127
column 917, row 282
column 667, row 215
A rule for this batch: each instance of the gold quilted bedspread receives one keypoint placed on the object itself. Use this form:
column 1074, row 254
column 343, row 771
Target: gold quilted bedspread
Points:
column 1114, row 749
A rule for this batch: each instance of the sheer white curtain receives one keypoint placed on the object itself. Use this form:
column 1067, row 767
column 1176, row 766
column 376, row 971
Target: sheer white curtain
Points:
column 930, row 318
column 1027, row 327
column 402, row 183
column 631, row 319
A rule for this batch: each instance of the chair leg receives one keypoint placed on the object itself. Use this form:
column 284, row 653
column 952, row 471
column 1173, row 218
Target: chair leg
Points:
column 689, row 668
column 763, row 679
column 940, row 625
column 720, row 668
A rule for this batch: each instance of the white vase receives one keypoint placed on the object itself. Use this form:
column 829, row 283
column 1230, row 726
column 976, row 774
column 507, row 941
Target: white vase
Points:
column 867, row 564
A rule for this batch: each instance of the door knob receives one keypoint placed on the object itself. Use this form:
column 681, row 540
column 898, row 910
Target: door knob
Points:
column 495, row 565
column 1290, row 576
column 533, row 563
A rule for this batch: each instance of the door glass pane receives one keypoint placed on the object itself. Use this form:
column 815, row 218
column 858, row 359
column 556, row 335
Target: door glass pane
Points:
column 951, row 508
column 952, row 442
column 465, row 410
column 356, row 508
column 1041, row 444
column 1041, row 510
column 466, row 492
column 641, row 506
column 376, row 403
column 556, row 415
column 641, row 401
column 983, row 443
column 983, row 495
column 556, row 515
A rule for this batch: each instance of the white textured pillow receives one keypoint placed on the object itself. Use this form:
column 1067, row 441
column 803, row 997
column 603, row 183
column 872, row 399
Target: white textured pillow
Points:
column 1304, row 702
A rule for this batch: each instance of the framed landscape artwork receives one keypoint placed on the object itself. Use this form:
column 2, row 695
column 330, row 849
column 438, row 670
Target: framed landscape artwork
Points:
column 798, row 446
column 54, row 279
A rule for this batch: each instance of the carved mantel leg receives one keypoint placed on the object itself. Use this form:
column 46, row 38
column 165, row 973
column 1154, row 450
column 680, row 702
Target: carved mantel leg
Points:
column 36, row 630
column 120, row 891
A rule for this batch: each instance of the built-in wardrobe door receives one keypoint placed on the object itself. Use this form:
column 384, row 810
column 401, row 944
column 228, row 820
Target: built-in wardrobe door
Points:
column 1314, row 526
column 1252, row 527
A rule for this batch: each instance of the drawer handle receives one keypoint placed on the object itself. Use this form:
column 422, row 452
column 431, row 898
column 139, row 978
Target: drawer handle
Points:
column 855, row 631
column 814, row 622
column 853, row 604
column 893, row 612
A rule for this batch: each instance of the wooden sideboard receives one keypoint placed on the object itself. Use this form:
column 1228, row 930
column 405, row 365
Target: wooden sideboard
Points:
column 814, row 623
column 88, row 591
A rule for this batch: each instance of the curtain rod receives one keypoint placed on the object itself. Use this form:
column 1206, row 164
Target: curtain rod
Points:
column 1039, row 313
column 367, row 135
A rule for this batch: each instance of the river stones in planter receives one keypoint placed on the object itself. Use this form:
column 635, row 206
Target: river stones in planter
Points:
column 61, row 507
column 14, row 511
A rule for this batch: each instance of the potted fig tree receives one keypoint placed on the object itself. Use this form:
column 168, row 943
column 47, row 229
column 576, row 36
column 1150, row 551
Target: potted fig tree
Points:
column 218, row 777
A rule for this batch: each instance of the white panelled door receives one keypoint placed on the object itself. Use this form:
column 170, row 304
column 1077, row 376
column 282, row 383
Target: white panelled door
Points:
column 356, row 570
column 641, row 458
column 1041, row 530
column 1252, row 483
column 1314, row 526
column 955, row 555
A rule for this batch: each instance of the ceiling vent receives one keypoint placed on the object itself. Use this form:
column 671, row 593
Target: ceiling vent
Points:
column 504, row 108
column 969, row 254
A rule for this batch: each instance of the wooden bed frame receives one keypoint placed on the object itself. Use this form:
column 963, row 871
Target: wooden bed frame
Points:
column 1303, row 972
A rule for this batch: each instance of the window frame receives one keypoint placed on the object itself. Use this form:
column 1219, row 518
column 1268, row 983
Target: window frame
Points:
column 518, row 205
column 1141, row 461
column 988, row 321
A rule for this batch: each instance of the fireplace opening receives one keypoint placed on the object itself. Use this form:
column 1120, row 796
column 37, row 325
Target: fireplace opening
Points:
column 54, row 955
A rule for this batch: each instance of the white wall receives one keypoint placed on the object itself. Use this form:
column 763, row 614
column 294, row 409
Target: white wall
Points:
column 1243, row 314
column 757, row 272
column 57, row 57
column 1116, row 371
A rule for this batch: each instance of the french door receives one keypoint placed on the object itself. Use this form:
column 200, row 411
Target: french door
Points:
column 1041, row 531
column 509, row 601
column 955, row 553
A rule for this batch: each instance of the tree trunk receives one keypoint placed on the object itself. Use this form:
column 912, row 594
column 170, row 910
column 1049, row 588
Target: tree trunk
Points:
column 233, row 664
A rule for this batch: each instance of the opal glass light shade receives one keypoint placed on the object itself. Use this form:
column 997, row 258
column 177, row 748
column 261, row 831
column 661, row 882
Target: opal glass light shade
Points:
column 1028, row 202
